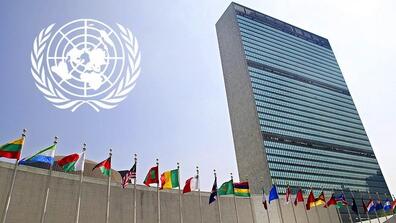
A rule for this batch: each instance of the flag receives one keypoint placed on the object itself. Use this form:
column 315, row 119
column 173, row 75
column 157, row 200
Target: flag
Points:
column 170, row 179
column 370, row 206
column 226, row 188
column 242, row 189
column 213, row 193
column 73, row 162
column 288, row 194
column 128, row 176
column 364, row 206
column 387, row 205
column 393, row 205
column 191, row 184
column 273, row 194
column 354, row 206
column 264, row 200
column 321, row 200
column 299, row 197
column 152, row 176
column 379, row 206
column 332, row 201
column 12, row 150
column 310, row 201
column 45, row 156
column 104, row 166
column 341, row 201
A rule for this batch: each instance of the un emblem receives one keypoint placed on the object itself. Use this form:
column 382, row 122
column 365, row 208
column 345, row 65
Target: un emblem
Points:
column 85, row 62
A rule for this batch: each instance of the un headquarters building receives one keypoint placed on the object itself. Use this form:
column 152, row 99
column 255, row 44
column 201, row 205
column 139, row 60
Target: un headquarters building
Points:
column 293, row 119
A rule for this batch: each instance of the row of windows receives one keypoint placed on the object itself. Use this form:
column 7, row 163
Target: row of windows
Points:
column 288, row 59
column 263, row 29
column 263, row 96
column 280, row 85
column 290, row 67
column 306, row 112
column 319, row 164
column 308, row 170
column 301, row 149
column 304, row 177
column 286, row 154
column 270, row 112
column 311, row 129
column 269, row 87
column 300, row 85
column 311, row 137
column 276, row 64
column 266, row 43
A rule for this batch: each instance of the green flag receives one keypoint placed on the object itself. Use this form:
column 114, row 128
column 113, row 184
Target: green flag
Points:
column 226, row 188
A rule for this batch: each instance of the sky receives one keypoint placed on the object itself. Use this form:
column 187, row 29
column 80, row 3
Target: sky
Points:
column 178, row 110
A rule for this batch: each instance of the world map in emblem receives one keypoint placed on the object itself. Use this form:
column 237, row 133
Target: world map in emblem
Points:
column 87, row 62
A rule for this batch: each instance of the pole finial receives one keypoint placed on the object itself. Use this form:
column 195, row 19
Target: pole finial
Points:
column 157, row 161
column 110, row 152
column 24, row 132
column 56, row 139
column 135, row 157
column 178, row 165
column 84, row 147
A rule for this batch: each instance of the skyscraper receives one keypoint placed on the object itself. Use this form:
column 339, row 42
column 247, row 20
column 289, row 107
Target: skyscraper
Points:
column 293, row 118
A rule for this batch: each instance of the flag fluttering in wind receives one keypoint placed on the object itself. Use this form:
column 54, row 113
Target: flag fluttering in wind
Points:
column 299, row 197
column 226, row 188
column 331, row 201
column 128, row 176
column 152, row 176
column 387, row 205
column 242, row 189
column 379, row 206
column 170, row 179
column 104, row 166
column 393, row 205
column 12, row 150
column 73, row 162
column 191, row 184
column 364, row 206
column 264, row 200
column 370, row 206
column 273, row 194
column 310, row 201
column 341, row 201
column 213, row 193
column 354, row 206
column 288, row 194
column 45, row 156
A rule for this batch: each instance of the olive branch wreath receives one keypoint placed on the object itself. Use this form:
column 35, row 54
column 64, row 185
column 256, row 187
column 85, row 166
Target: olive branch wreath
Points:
column 111, row 100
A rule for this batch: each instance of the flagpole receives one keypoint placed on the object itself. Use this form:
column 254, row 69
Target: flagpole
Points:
column 80, row 187
column 11, row 189
column 316, row 209
column 305, row 207
column 368, row 216
column 393, row 211
column 347, row 206
column 375, row 210
column 327, row 208
column 386, row 197
column 291, row 203
column 379, row 199
column 252, row 208
column 235, row 203
column 199, row 194
column 108, row 192
column 337, row 209
column 134, row 191
column 279, row 206
column 266, row 205
column 180, row 196
column 43, row 213
column 353, row 195
column 218, row 199
column 158, row 197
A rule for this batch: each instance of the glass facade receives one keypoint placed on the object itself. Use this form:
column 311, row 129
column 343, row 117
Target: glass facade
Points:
column 313, row 135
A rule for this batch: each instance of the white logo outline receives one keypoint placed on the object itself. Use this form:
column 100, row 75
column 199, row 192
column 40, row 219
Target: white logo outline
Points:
column 125, row 83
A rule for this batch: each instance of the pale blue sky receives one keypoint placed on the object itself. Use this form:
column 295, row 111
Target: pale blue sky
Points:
column 178, row 110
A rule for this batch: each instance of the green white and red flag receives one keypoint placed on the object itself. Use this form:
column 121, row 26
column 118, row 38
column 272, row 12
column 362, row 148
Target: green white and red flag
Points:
column 73, row 162
column 152, row 176
column 104, row 166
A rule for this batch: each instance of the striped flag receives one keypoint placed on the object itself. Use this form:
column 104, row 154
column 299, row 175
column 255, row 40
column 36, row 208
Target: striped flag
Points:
column 128, row 176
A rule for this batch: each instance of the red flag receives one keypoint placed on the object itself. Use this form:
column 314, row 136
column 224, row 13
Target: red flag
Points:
column 152, row 176
column 288, row 195
column 265, row 201
column 393, row 205
column 310, row 200
column 332, row 201
column 299, row 197
column 364, row 206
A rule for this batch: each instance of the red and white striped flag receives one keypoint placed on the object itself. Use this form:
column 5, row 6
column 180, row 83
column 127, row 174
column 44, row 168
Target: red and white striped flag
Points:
column 131, row 174
column 191, row 184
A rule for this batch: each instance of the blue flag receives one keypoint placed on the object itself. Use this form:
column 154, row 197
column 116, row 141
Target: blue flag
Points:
column 213, row 194
column 273, row 194
column 387, row 205
column 379, row 206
